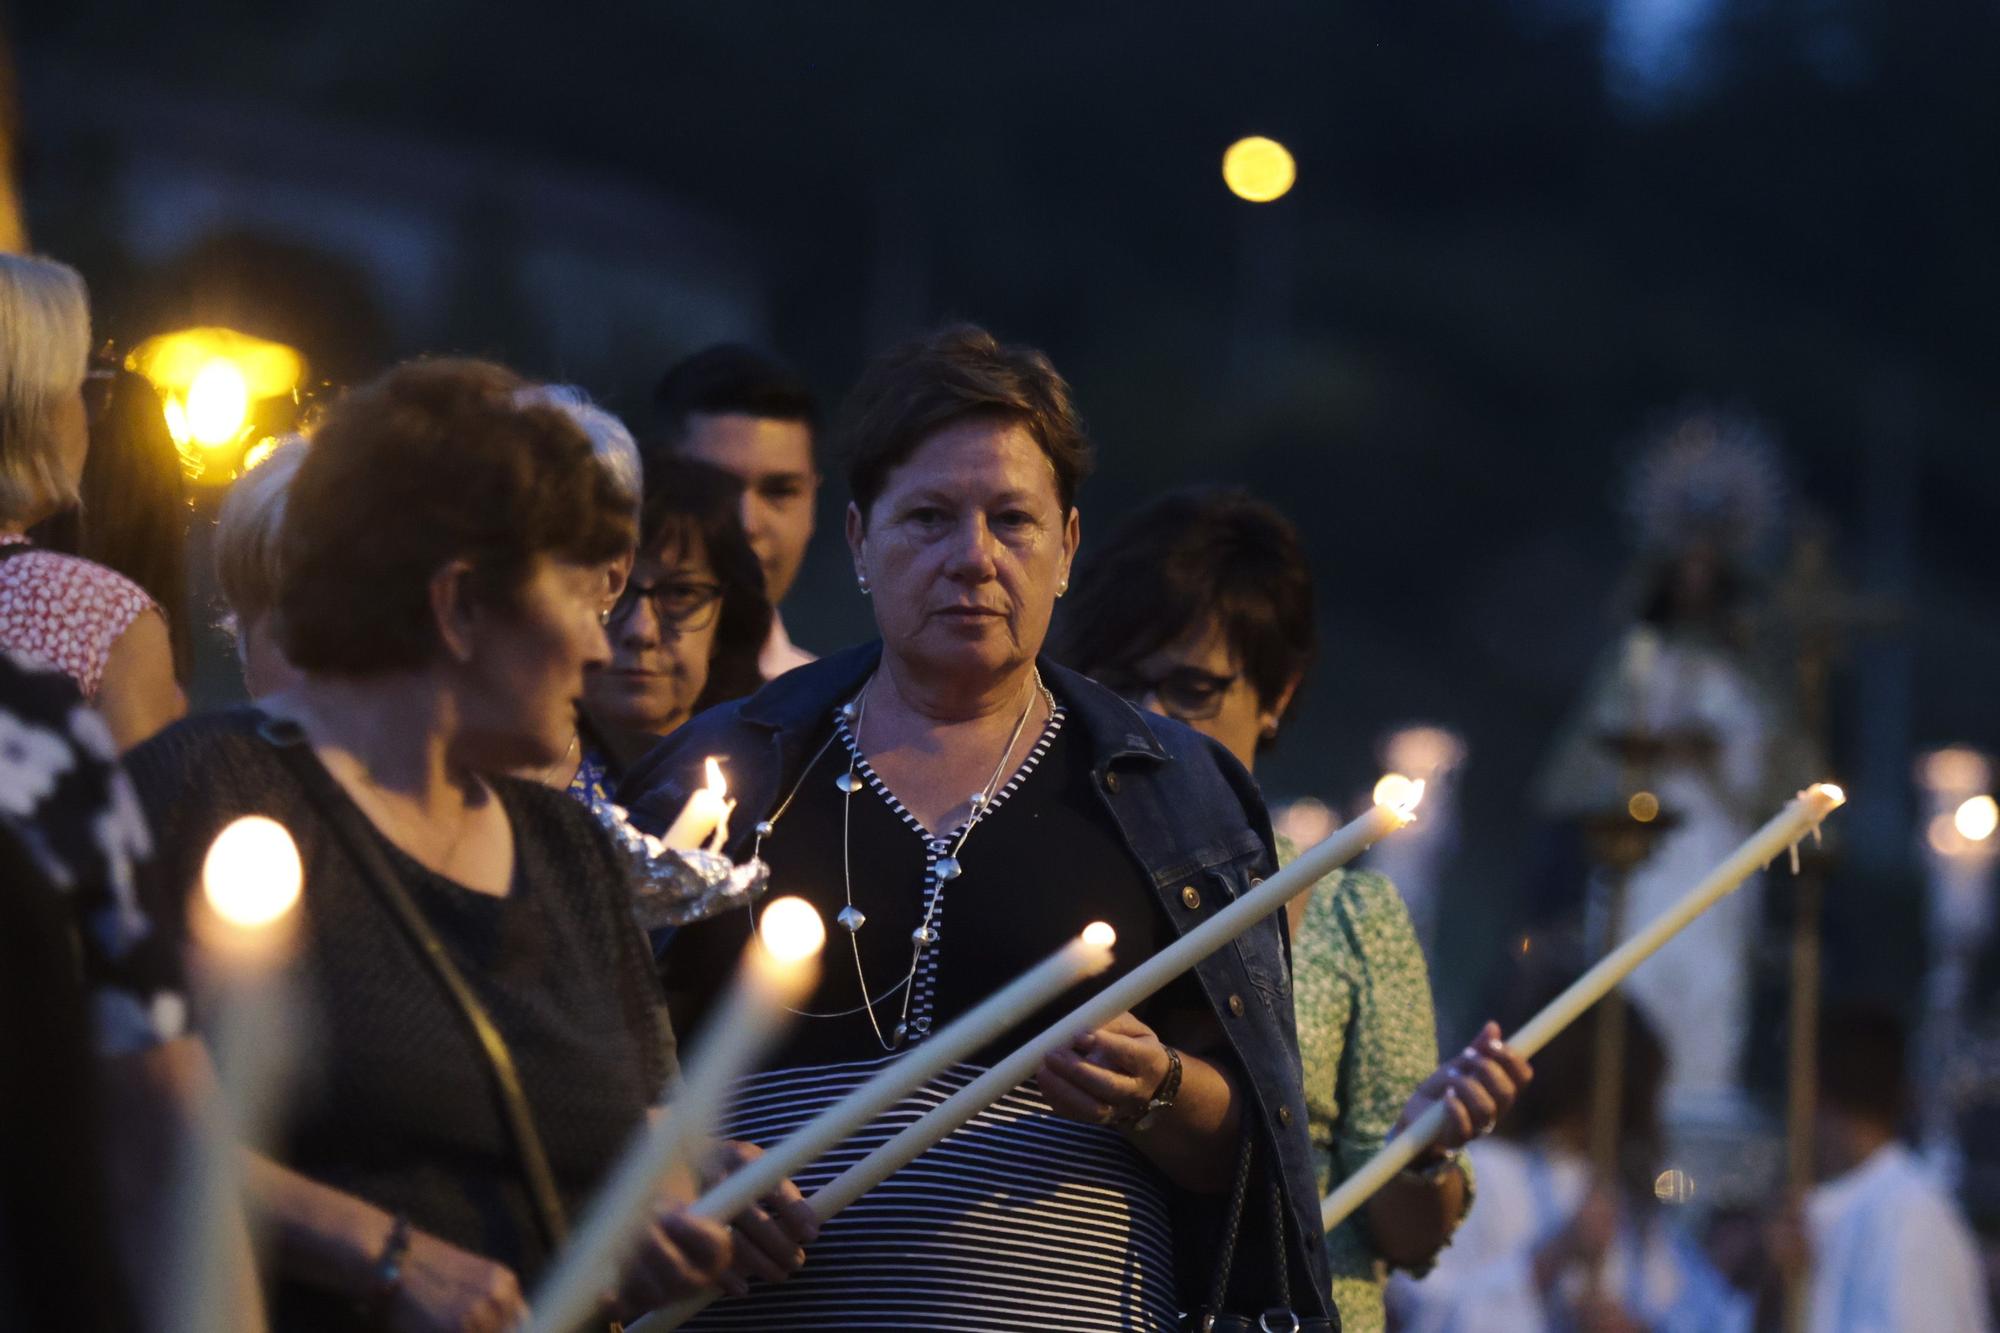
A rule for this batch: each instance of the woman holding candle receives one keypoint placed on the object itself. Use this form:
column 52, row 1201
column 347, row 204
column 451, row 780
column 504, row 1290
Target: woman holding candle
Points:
column 1089, row 1198
column 1200, row 608
column 488, row 1034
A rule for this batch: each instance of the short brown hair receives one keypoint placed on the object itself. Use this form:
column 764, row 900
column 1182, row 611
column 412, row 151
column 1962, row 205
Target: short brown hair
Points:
column 958, row 373
column 434, row 461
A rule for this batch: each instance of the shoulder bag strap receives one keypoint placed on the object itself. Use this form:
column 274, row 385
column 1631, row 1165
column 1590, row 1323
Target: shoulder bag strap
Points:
column 346, row 820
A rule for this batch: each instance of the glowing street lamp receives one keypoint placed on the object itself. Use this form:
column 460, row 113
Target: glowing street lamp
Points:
column 1259, row 170
column 211, row 381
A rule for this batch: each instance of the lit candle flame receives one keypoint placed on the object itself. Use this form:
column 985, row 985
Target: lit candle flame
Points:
column 1400, row 794
column 1100, row 935
column 791, row 930
column 1831, row 792
column 252, row 876
column 716, row 783
column 1977, row 818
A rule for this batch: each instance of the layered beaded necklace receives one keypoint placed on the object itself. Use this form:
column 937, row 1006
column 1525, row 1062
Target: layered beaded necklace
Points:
column 942, row 870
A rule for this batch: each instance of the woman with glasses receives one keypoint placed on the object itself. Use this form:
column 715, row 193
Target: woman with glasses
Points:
column 686, row 630
column 1201, row 609
column 487, row 1028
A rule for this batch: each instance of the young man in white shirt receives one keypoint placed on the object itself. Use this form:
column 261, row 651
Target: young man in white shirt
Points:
column 1888, row 1247
column 738, row 409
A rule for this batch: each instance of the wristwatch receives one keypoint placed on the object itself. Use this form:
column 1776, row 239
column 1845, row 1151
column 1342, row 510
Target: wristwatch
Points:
column 1163, row 1097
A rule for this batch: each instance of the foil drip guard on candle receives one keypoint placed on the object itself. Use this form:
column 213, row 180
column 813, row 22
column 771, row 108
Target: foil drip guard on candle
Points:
column 674, row 888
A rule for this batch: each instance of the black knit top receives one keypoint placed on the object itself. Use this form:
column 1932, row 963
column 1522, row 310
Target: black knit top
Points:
column 392, row 1099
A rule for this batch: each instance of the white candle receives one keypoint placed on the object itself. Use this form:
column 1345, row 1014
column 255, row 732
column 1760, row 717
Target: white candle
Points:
column 1147, row 979
column 1085, row 956
column 1800, row 817
column 704, row 821
column 245, row 928
column 778, row 970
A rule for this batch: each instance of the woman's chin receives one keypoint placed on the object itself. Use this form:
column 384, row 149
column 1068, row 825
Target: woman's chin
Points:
column 955, row 651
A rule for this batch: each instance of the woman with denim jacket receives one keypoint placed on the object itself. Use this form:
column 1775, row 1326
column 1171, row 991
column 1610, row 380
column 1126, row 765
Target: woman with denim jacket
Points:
column 962, row 807
column 1200, row 608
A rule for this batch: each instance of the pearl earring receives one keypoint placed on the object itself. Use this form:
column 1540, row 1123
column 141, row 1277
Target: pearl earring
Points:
column 861, row 582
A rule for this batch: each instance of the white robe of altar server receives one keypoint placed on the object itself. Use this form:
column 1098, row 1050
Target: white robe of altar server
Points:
column 1483, row 1282
column 1891, row 1254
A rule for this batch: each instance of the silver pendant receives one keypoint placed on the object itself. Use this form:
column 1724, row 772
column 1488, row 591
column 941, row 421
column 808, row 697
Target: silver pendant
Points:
column 847, row 782
column 946, row 869
column 896, row 1037
column 763, row 828
column 978, row 801
column 852, row 918
column 924, row 936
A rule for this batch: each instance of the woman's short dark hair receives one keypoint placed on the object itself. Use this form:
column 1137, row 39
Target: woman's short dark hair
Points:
column 957, row 374
column 432, row 462
column 685, row 499
column 1181, row 560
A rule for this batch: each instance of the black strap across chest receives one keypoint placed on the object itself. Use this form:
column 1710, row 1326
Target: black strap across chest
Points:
column 358, row 839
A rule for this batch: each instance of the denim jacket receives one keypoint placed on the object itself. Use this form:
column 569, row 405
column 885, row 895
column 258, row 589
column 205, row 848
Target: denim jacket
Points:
column 1192, row 817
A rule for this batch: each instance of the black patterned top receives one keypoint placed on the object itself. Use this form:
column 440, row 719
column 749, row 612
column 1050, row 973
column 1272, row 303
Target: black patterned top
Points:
column 394, row 1102
column 71, row 813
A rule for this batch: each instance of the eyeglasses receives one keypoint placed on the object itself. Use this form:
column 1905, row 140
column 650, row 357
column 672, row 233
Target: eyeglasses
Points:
column 1184, row 692
column 689, row 606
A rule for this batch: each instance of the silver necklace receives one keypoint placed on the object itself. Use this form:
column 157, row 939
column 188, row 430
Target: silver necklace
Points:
column 942, row 871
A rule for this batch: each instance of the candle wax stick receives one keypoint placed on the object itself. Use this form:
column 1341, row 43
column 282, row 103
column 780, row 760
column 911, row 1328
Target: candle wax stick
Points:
column 1150, row 977
column 245, row 928
column 1026, row 993
column 732, row 1043
column 1799, row 817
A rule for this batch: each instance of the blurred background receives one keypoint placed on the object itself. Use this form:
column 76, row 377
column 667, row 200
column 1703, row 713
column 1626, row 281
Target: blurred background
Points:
column 1525, row 243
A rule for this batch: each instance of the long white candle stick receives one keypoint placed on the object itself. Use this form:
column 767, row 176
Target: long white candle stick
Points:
column 1121, row 995
column 1085, row 956
column 1800, row 817
column 245, row 928
column 778, row 969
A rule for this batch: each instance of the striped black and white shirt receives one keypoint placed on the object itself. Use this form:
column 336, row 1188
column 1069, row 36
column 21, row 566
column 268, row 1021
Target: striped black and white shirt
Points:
column 1022, row 1219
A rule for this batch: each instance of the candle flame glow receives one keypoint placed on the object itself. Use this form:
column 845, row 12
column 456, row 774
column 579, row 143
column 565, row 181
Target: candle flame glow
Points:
column 252, row 876
column 715, row 780
column 791, row 930
column 1831, row 792
column 1100, row 935
column 1977, row 818
column 1400, row 793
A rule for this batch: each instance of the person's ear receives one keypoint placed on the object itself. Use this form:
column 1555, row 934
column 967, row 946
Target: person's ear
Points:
column 620, row 575
column 452, row 608
column 857, row 540
column 1072, row 539
column 1269, row 718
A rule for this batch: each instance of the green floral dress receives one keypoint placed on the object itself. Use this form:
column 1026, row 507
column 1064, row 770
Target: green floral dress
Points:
column 1366, row 1039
